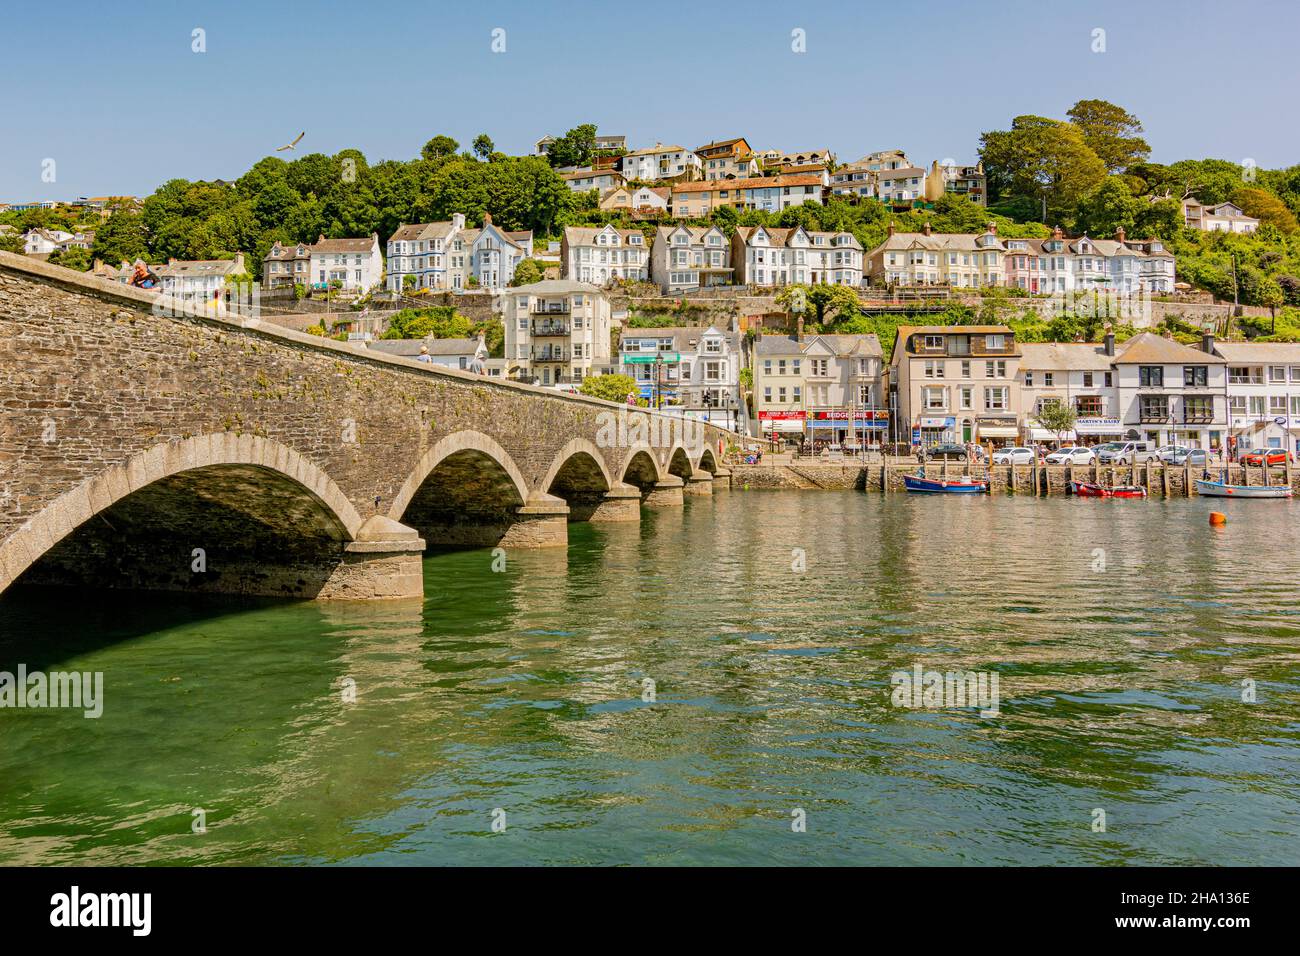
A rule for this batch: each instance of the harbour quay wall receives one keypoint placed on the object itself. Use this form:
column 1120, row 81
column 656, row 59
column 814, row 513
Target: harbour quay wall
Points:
column 1160, row 481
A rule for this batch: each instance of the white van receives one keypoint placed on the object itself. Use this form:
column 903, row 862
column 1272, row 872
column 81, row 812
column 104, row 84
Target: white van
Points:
column 1126, row 453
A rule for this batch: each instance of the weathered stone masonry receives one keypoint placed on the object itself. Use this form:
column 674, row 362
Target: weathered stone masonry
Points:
column 298, row 466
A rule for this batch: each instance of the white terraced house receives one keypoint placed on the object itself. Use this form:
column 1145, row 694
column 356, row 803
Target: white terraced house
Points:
column 1060, row 264
column 661, row 162
column 356, row 264
column 1172, row 394
column 602, row 255
column 1263, row 394
column 447, row 255
column 557, row 331
column 198, row 281
column 601, row 180
column 696, row 369
column 685, row 258
column 903, row 185
column 1223, row 217
column 957, row 260
column 769, row 256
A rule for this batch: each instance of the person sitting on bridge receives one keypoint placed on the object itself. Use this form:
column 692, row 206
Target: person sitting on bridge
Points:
column 424, row 355
column 142, row 278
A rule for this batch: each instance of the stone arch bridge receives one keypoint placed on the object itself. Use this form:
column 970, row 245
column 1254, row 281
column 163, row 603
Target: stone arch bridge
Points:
column 144, row 449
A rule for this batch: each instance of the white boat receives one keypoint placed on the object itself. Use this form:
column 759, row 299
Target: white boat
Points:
column 1219, row 489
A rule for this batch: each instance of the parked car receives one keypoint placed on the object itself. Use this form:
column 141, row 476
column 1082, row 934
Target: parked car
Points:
column 1074, row 455
column 1125, row 453
column 1019, row 455
column 942, row 453
column 1276, row 456
column 1196, row 457
column 1169, row 452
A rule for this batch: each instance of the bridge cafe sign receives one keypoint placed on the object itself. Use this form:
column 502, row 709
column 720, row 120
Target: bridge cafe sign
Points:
column 863, row 419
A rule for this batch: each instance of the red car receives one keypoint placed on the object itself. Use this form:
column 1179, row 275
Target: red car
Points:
column 1276, row 456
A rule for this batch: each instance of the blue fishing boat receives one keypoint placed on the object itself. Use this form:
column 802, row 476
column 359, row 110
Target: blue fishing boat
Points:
column 964, row 485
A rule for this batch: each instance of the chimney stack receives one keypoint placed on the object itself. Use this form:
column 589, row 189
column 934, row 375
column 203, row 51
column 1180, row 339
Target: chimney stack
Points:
column 1110, row 340
column 925, row 230
column 891, row 227
column 487, row 218
column 992, row 228
column 1119, row 235
column 798, row 328
column 1207, row 342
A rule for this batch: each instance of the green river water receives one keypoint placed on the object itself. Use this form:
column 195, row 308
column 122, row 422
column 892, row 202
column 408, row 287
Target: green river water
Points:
column 521, row 691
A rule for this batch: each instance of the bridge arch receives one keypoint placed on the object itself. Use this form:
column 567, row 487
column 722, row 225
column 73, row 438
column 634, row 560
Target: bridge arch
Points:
column 641, row 467
column 679, row 463
column 165, row 490
column 464, row 491
column 580, row 476
column 708, row 462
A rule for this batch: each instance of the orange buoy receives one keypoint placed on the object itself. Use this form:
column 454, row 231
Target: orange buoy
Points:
column 1217, row 518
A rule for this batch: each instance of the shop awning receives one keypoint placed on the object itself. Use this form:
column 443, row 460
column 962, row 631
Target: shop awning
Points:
column 998, row 431
column 1042, row 434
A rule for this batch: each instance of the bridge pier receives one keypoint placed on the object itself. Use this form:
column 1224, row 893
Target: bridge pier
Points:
column 700, row 483
column 543, row 522
column 621, row 503
column 666, row 493
column 383, row 563
column 722, row 478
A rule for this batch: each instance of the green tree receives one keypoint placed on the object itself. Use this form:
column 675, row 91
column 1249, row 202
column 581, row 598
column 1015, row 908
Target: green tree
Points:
column 81, row 261
column 1111, row 132
column 527, row 272
column 440, row 147
column 440, row 322
column 1110, row 207
column 822, row 300
column 1057, row 418
column 121, row 238
column 12, row 242
column 612, row 388
column 574, row 148
column 483, row 146
column 1043, row 159
column 1265, row 207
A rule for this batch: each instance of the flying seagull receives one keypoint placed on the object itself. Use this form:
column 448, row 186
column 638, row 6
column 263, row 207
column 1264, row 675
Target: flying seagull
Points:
column 281, row 149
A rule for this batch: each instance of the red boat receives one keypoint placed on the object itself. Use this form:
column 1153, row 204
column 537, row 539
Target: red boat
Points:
column 1086, row 489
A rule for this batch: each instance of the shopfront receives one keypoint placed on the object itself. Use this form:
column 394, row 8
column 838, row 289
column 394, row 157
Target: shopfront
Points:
column 783, row 425
column 832, row 426
column 935, row 430
column 1095, row 431
column 997, row 431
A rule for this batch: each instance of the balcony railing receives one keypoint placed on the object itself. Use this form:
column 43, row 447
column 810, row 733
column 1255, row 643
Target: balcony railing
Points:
column 551, row 308
column 550, row 328
column 550, row 355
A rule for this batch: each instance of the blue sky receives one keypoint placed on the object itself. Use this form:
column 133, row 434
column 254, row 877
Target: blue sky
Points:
column 118, row 99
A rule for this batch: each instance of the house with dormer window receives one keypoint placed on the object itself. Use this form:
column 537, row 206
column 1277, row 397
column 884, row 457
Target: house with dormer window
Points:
column 770, row 256
column 956, row 260
column 602, row 255
column 446, row 255
column 686, row 258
